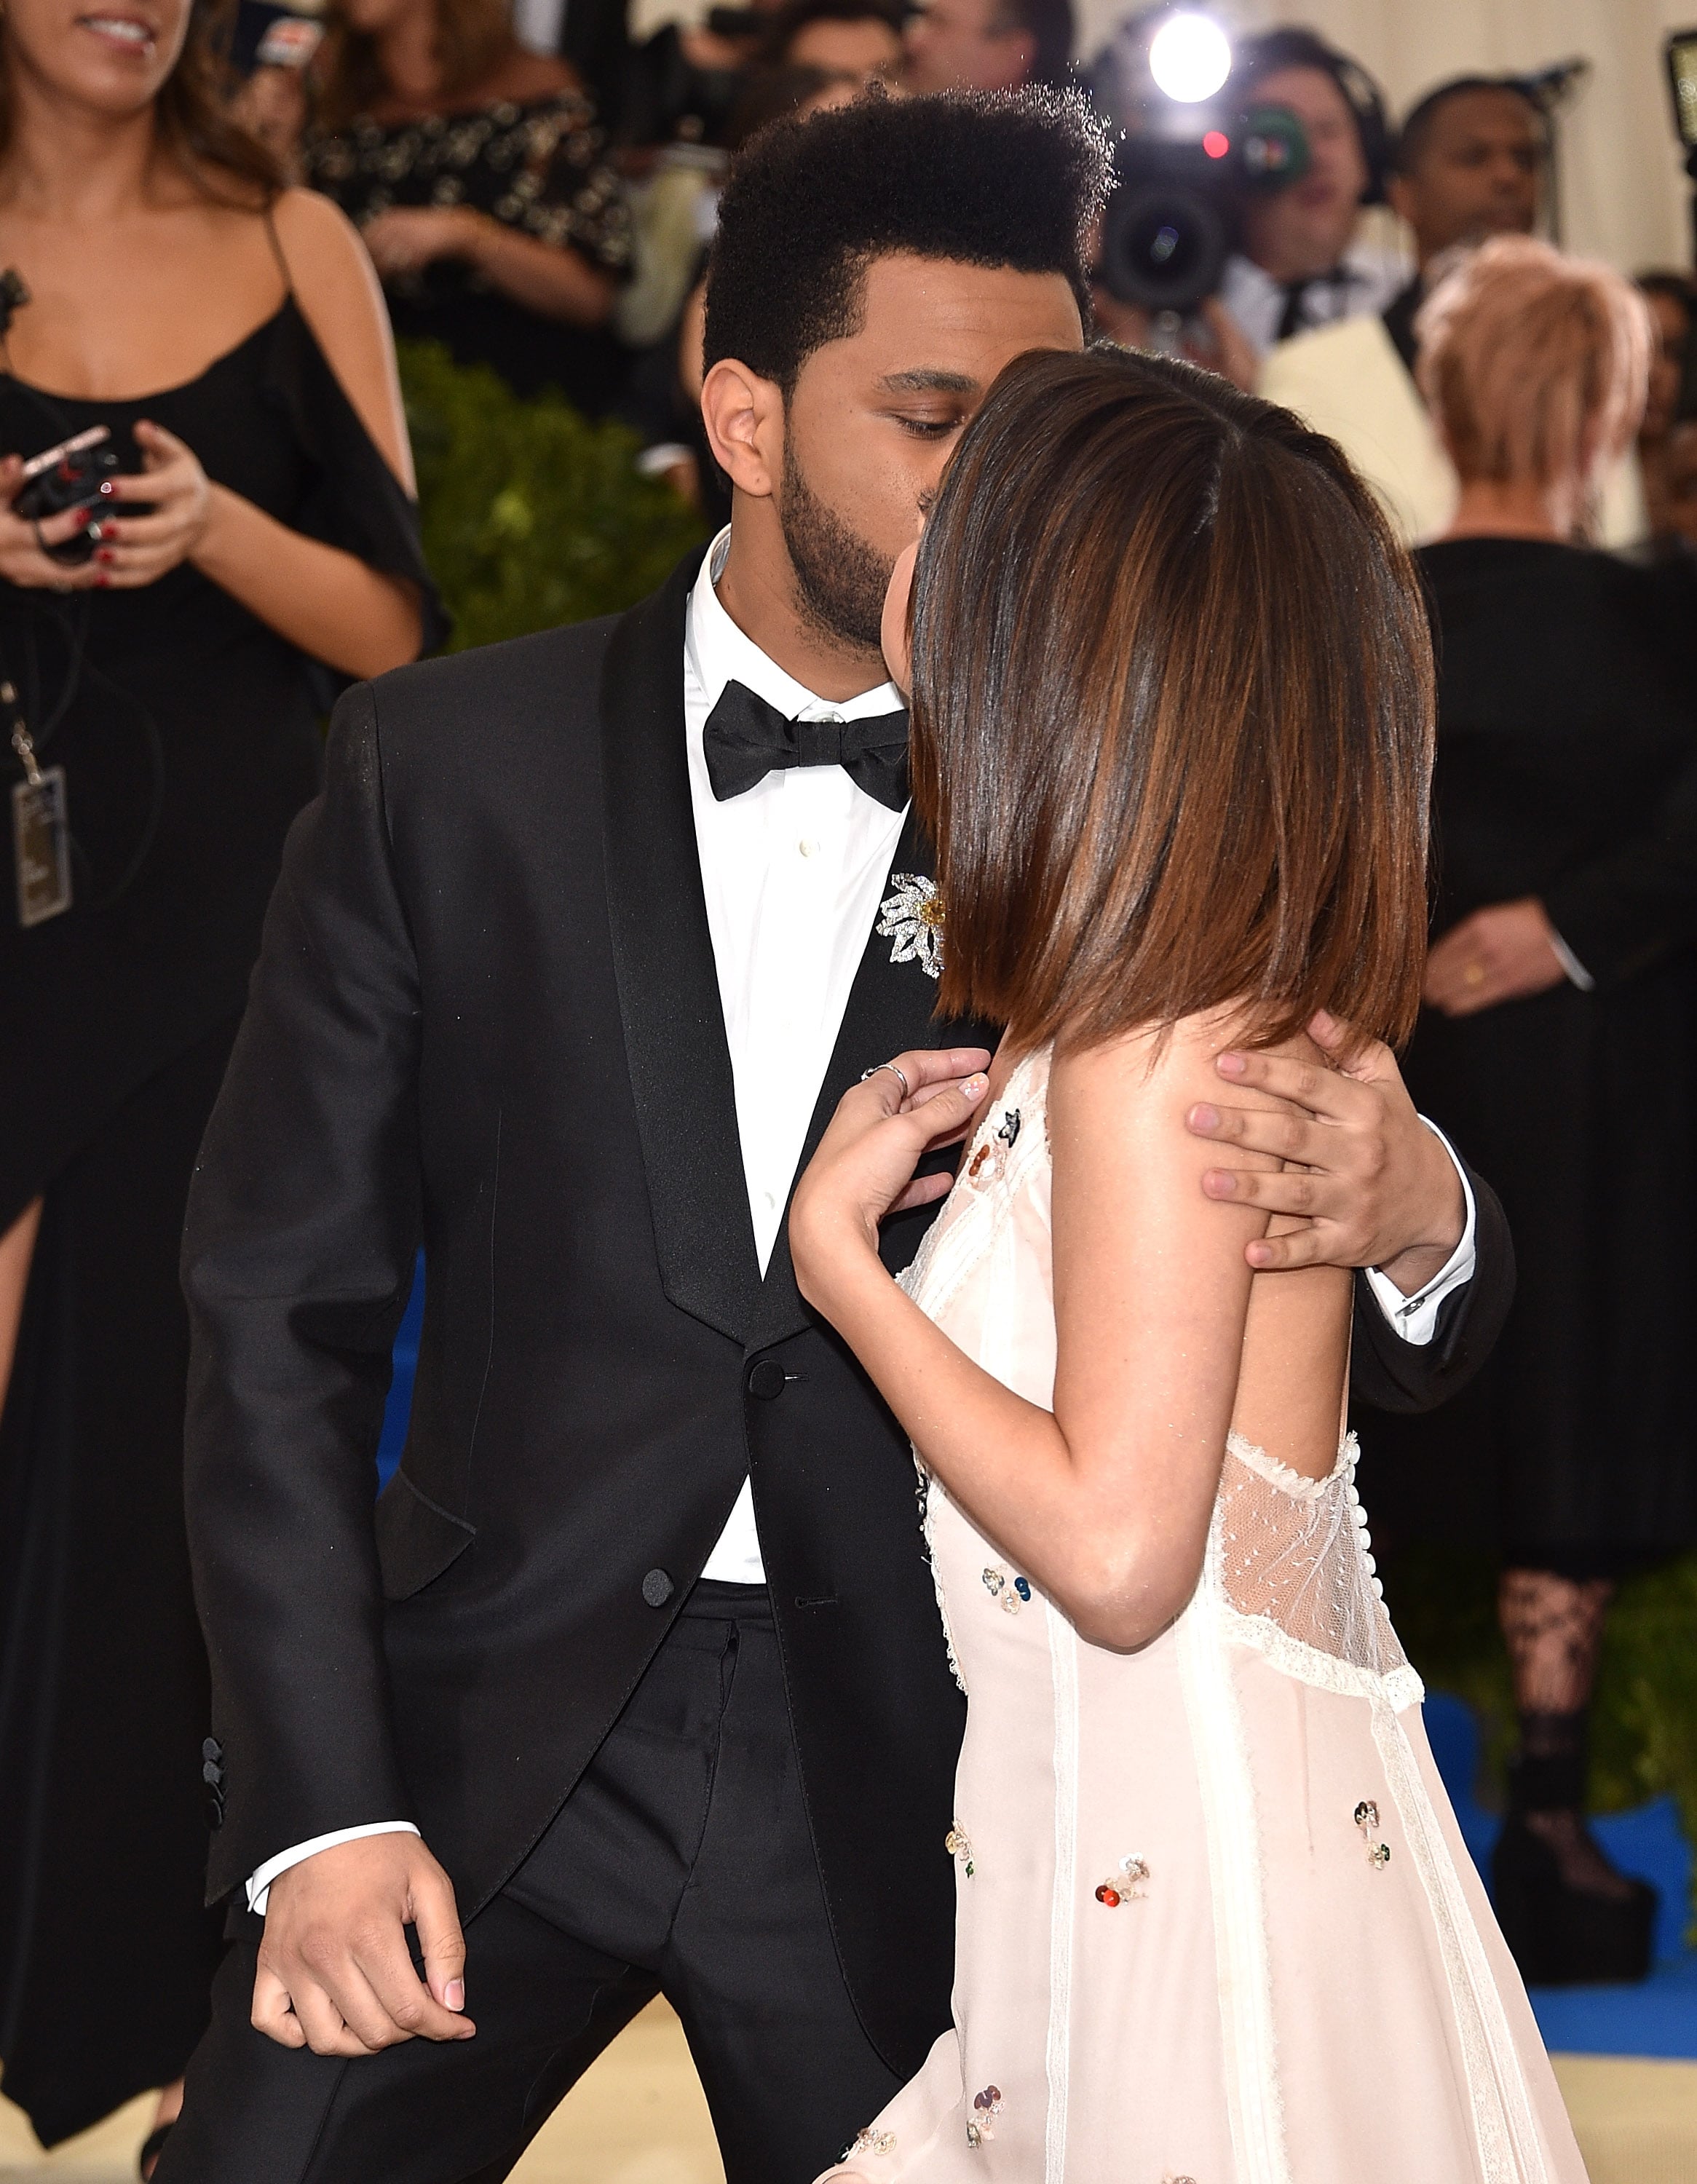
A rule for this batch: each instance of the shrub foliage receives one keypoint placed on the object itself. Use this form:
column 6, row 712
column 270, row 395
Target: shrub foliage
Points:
column 532, row 517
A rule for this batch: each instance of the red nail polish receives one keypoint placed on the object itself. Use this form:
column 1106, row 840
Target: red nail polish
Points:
column 109, row 529
column 104, row 554
column 101, row 581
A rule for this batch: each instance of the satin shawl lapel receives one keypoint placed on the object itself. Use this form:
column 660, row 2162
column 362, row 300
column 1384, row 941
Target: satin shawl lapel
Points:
column 679, row 1060
column 889, row 1009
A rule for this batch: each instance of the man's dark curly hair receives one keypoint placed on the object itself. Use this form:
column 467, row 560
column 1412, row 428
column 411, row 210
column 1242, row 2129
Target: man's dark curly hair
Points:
column 981, row 179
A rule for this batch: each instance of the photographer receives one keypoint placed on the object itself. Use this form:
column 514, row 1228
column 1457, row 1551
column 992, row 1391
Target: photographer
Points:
column 1299, row 262
column 226, row 338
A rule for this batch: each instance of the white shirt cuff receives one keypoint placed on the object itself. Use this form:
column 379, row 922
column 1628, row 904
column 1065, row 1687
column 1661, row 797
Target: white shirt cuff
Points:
column 1415, row 1317
column 259, row 1883
column 1577, row 972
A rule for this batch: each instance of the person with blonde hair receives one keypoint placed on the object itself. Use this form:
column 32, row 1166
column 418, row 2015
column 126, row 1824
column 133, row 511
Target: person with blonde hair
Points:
column 475, row 171
column 1558, row 1023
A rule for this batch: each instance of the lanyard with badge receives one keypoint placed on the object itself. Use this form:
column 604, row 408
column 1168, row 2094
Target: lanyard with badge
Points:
column 40, row 826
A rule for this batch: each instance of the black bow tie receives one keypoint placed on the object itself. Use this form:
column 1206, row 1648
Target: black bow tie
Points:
column 746, row 739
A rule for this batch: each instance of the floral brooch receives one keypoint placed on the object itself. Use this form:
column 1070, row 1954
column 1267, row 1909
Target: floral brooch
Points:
column 913, row 918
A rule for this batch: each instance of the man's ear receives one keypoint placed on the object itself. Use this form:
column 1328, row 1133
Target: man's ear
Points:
column 744, row 417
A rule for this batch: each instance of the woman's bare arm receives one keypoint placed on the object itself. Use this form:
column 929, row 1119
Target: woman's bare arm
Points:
column 1106, row 1501
column 327, row 601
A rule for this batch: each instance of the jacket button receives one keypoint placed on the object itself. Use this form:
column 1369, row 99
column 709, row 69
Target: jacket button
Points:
column 658, row 1588
column 214, row 1810
column 211, row 1749
column 766, row 1379
column 211, row 1772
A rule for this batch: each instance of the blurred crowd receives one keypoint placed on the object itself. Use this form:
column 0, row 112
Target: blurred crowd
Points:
column 537, row 189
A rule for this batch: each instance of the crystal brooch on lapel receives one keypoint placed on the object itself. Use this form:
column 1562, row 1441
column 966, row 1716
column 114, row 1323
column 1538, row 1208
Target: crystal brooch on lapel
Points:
column 913, row 918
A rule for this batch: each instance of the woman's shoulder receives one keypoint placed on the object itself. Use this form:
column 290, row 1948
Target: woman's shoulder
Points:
column 336, row 293
column 1167, row 1067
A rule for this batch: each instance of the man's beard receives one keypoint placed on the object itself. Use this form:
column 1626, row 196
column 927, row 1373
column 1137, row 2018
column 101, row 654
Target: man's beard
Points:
column 840, row 580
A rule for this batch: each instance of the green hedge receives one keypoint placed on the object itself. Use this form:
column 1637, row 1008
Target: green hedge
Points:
column 1645, row 1729
column 531, row 516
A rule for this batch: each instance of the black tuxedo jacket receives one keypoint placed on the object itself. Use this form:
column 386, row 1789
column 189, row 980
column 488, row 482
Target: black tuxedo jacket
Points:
column 486, row 1019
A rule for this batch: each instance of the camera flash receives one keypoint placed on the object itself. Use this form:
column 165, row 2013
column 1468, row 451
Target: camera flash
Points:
column 1189, row 58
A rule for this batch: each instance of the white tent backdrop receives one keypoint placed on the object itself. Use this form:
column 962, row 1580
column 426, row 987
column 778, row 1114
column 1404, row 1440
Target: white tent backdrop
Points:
column 1624, row 196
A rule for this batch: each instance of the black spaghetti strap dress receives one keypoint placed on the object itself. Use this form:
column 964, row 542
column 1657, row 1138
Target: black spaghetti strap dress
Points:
column 190, row 736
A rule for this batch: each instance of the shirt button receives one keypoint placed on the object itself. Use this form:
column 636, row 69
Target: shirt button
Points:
column 772, row 1200
column 658, row 1588
column 808, row 847
column 835, row 719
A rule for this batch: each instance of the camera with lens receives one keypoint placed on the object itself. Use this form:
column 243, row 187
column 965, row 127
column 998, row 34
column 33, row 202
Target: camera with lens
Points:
column 67, row 477
column 1194, row 146
column 1168, row 228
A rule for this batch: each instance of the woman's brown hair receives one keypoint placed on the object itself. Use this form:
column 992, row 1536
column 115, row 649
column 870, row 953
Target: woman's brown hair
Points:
column 1172, row 713
column 191, row 118
column 472, row 36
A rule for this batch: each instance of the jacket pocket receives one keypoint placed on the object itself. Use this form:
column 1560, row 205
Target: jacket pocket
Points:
column 416, row 1539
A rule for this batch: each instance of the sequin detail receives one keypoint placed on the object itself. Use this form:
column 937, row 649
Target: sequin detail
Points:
column 986, row 2107
column 1367, row 1820
column 1012, row 1592
column 957, row 1843
column 1126, row 1886
column 989, row 1164
column 869, row 2141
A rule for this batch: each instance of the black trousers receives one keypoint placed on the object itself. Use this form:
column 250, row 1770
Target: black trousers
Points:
column 680, row 1865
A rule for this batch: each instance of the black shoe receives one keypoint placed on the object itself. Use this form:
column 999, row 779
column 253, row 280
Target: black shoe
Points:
column 1561, row 1936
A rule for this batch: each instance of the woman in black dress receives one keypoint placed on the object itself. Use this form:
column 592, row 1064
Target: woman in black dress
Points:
column 475, row 171
column 230, row 338
column 1558, row 1039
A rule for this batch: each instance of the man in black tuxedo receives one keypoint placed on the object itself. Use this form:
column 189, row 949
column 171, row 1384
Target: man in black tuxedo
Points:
column 637, row 1671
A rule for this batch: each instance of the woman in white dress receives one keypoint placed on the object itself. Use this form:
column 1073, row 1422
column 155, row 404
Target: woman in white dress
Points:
column 1172, row 729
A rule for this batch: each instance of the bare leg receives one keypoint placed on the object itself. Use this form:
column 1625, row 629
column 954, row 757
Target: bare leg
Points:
column 1553, row 1626
column 17, row 1250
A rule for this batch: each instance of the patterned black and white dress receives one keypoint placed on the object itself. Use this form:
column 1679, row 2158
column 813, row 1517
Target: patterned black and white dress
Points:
column 537, row 167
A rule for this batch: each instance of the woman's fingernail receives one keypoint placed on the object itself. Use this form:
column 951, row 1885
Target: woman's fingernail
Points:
column 104, row 554
column 453, row 1995
column 1230, row 1065
column 1259, row 1255
column 1205, row 1119
column 101, row 581
column 974, row 1087
column 1220, row 1183
column 109, row 528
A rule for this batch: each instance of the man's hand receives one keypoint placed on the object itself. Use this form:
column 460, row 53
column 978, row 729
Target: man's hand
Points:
column 1502, row 953
column 1371, row 1185
column 334, row 1975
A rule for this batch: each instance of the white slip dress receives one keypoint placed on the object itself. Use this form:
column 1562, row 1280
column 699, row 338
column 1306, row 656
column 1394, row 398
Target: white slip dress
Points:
column 1216, row 1922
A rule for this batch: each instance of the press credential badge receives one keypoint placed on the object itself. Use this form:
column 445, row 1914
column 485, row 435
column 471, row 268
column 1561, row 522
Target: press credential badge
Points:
column 40, row 833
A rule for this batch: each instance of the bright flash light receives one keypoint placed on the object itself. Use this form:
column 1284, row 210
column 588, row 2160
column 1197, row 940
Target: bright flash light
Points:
column 1189, row 58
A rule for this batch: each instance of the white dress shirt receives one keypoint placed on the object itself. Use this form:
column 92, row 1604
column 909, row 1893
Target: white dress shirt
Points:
column 1368, row 277
column 793, row 870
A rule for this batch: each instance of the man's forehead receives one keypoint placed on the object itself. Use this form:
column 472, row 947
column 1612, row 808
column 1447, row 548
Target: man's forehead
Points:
column 938, row 315
column 1486, row 112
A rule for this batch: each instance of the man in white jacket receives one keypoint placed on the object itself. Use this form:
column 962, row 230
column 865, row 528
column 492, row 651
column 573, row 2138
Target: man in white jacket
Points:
column 1469, row 165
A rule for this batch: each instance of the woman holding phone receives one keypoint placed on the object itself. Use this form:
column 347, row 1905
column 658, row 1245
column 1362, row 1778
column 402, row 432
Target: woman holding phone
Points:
column 163, row 644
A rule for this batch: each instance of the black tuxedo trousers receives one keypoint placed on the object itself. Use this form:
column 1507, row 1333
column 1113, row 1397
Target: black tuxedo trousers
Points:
column 485, row 1019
